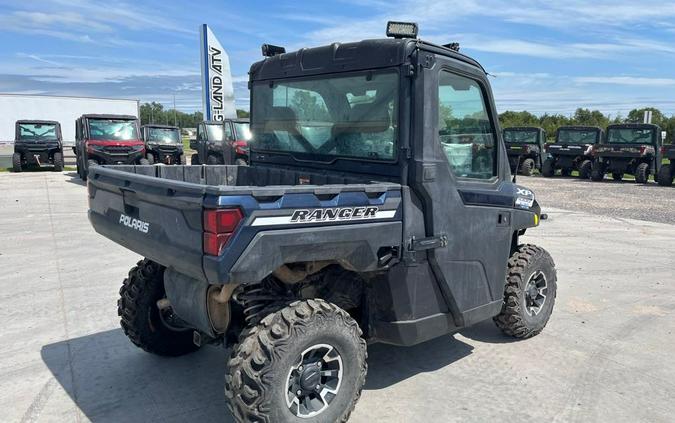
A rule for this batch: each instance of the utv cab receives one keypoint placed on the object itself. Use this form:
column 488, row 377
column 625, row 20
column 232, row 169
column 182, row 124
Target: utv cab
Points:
column 633, row 148
column 37, row 143
column 524, row 147
column 223, row 142
column 107, row 139
column 667, row 172
column 163, row 144
column 572, row 150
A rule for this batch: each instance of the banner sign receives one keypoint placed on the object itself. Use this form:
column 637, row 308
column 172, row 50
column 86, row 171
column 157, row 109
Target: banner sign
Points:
column 217, row 90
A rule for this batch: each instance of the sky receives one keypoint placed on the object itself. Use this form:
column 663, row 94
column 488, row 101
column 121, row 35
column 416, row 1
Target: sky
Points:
column 544, row 56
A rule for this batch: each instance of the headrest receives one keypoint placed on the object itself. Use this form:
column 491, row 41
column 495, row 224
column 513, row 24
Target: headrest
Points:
column 366, row 118
column 281, row 119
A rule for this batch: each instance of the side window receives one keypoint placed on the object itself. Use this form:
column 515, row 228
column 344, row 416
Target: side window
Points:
column 464, row 128
column 228, row 131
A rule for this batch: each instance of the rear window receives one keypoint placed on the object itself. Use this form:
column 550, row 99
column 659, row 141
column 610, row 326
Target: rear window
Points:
column 37, row 132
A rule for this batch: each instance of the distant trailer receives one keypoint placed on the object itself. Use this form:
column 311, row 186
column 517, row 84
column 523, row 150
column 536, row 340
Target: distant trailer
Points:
column 63, row 109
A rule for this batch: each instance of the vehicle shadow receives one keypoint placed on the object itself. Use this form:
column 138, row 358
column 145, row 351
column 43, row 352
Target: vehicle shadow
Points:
column 74, row 178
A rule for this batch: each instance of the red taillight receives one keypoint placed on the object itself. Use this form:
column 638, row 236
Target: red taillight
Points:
column 663, row 149
column 218, row 227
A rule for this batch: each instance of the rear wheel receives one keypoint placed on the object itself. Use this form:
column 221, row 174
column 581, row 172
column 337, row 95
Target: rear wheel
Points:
column 547, row 168
column 598, row 173
column 529, row 294
column 212, row 160
column 194, row 159
column 617, row 176
column 16, row 162
column 303, row 363
column 665, row 177
column 585, row 169
column 642, row 173
column 527, row 167
column 58, row 162
column 150, row 158
column 140, row 317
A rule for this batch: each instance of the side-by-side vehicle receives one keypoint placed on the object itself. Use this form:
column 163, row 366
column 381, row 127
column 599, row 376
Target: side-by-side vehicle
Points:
column 525, row 148
column 37, row 143
column 378, row 206
column 223, row 142
column 572, row 150
column 163, row 144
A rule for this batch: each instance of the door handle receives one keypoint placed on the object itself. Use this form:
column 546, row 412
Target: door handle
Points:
column 503, row 219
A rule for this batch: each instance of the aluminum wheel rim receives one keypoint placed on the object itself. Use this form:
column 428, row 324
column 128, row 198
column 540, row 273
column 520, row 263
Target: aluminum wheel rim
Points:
column 535, row 293
column 321, row 365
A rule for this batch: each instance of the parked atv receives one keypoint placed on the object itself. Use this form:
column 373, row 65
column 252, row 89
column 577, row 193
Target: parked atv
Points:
column 572, row 150
column 633, row 148
column 163, row 144
column 223, row 142
column 524, row 147
column 37, row 143
column 107, row 139
column 344, row 229
column 667, row 172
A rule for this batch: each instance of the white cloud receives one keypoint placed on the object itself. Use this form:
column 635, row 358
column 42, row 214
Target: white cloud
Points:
column 626, row 80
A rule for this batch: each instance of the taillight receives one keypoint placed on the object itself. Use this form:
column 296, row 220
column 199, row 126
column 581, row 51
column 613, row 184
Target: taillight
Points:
column 663, row 149
column 219, row 224
column 643, row 148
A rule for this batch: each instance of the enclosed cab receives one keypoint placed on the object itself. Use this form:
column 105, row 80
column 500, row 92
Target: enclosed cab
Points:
column 163, row 144
column 107, row 139
column 667, row 172
column 525, row 148
column 632, row 148
column 37, row 143
column 572, row 150
column 378, row 206
column 223, row 142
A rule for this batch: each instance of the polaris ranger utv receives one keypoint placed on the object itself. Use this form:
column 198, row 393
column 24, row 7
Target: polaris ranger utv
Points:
column 36, row 143
column 107, row 139
column 667, row 171
column 572, row 150
column 525, row 147
column 366, row 215
column 163, row 144
column 633, row 148
column 223, row 142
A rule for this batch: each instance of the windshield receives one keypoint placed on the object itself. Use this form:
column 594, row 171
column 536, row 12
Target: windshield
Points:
column 577, row 136
column 37, row 132
column 112, row 130
column 163, row 135
column 243, row 131
column 630, row 136
column 334, row 116
column 521, row 136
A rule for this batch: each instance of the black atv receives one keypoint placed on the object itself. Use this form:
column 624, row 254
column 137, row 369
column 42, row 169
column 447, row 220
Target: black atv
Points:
column 163, row 144
column 524, row 147
column 37, row 143
column 667, row 172
column 572, row 150
column 633, row 148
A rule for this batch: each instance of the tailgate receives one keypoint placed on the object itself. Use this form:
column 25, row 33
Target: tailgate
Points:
column 160, row 219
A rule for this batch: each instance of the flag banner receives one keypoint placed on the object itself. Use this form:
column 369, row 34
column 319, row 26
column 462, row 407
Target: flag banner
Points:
column 217, row 90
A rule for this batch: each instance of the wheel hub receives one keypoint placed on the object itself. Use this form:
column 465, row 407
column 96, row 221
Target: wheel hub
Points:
column 314, row 381
column 535, row 293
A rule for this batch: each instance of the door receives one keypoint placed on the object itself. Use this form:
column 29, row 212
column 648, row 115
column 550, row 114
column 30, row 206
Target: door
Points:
column 461, row 167
column 201, row 143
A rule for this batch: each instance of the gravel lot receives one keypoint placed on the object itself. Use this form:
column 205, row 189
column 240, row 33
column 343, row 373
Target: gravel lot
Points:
column 606, row 354
column 621, row 200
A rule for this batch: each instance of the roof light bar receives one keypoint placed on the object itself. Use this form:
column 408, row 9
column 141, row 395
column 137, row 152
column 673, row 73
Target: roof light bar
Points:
column 402, row 29
column 269, row 50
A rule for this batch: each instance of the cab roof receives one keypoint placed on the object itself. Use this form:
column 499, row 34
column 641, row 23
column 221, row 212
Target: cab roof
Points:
column 581, row 128
column 103, row 116
column 40, row 122
column 154, row 125
column 523, row 128
column 342, row 57
column 634, row 126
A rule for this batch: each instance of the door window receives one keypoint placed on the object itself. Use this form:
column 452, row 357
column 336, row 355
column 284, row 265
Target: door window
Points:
column 465, row 131
column 228, row 132
column 200, row 133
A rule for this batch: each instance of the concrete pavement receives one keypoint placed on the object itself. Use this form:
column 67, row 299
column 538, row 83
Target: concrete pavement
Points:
column 606, row 354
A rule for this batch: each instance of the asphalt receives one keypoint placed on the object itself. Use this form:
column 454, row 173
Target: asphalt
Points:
column 606, row 354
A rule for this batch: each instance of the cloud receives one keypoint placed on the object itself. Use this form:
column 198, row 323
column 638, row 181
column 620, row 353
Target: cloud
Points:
column 626, row 80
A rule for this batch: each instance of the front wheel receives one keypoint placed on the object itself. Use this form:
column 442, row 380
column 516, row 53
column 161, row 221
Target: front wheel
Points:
column 212, row 160
column 194, row 159
column 529, row 294
column 598, row 173
column 642, row 173
column 241, row 162
column 305, row 361
column 144, row 162
column 150, row 158
column 58, row 162
column 547, row 169
column 665, row 177
column 140, row 317
column 527, row 167
column 585, row 169
column 182, row 159
column 16, row 162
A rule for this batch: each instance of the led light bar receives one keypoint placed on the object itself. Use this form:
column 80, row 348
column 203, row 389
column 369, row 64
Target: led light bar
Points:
column 402, row 29
column 269, row 50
